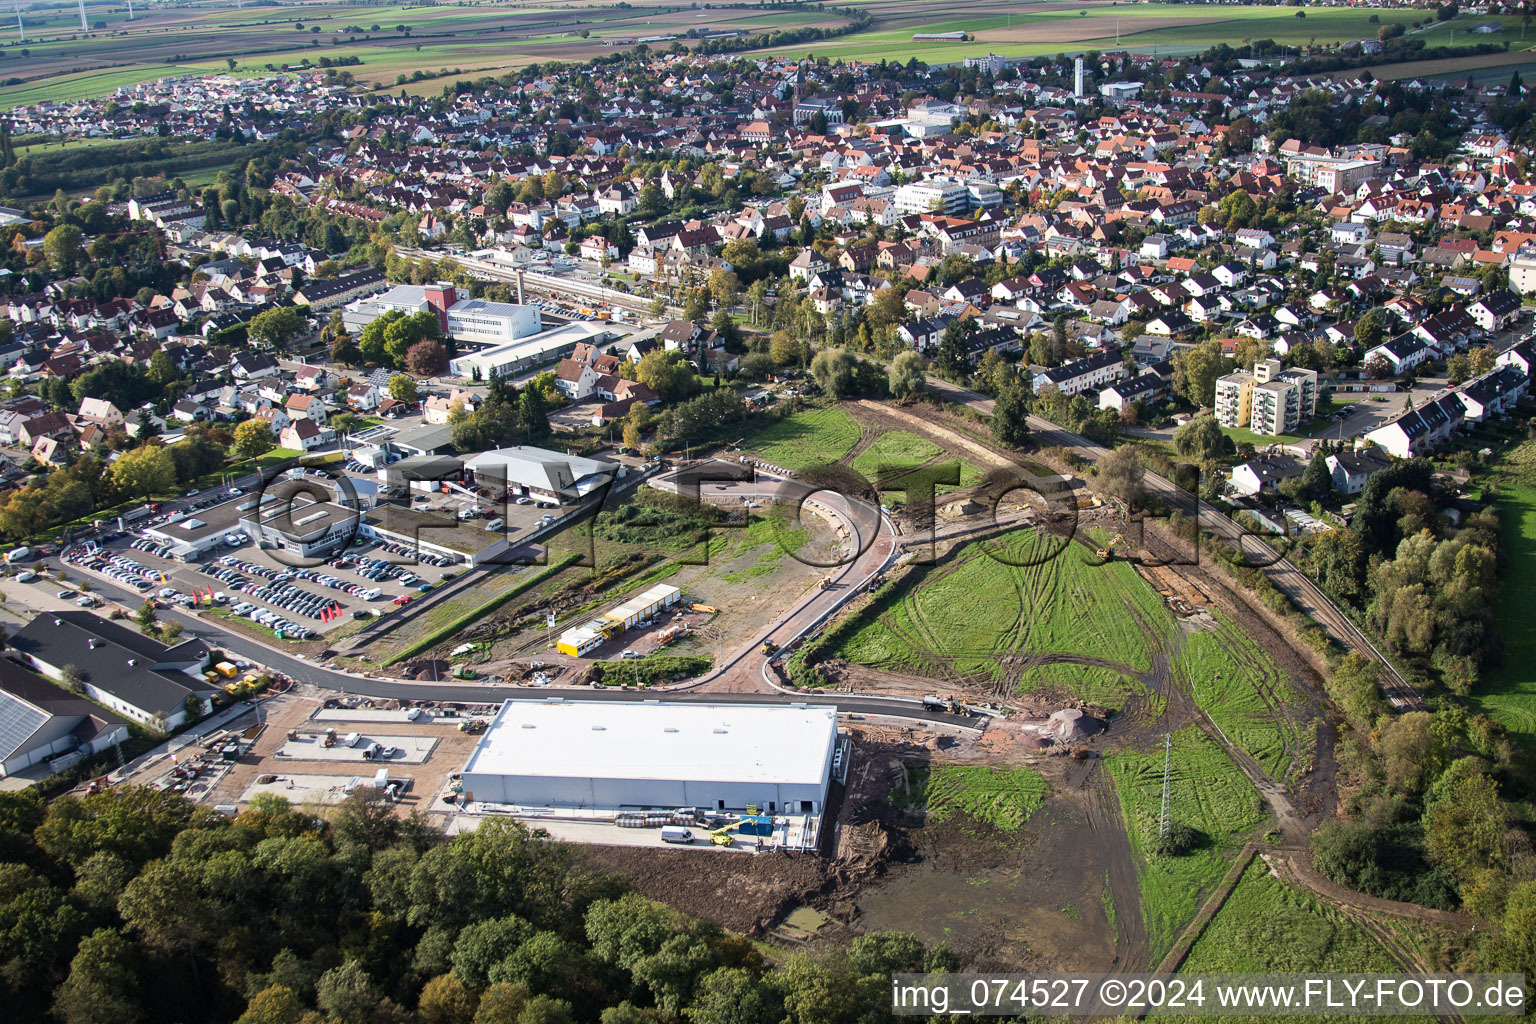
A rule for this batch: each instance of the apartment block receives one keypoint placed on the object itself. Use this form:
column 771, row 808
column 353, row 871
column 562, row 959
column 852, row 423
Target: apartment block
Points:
column 1267, row 401
column 1234, row 399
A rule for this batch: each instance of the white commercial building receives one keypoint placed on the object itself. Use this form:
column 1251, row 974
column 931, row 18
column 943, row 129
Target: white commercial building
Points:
column 935, row 196
column 525, row 353
column 541, row 473
column 609, row 755
column 464, row 318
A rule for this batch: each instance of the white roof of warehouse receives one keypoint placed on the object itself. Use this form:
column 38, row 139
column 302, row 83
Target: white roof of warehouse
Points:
column 611, row 739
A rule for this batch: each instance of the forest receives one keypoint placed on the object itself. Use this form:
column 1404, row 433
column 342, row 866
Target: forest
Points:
column 133, row 905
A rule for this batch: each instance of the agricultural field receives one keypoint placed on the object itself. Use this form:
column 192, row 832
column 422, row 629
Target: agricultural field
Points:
column 1044, row 603
column 1507, row 692
column 474, row 38
column 62, row 63
column 1048, row 28
column 812, row 437
column 1001, row 798
column 1208, row 794
column 1265, row 925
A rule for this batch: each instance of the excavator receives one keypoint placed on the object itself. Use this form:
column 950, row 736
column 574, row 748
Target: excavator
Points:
column 1109, row 549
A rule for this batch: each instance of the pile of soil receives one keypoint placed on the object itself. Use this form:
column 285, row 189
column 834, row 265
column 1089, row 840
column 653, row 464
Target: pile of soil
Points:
column 1070, row 725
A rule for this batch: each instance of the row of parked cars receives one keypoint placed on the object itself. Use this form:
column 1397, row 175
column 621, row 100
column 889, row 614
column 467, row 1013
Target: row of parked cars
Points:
column 124, row 570
column 285, row 629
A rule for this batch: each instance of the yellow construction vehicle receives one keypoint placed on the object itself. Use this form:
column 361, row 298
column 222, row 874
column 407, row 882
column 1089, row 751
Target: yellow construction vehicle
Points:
column 722, row 836
column 1109, row 549
column 753, row 824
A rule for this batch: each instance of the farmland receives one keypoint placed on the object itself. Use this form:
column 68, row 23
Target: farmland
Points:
column 1030, row 30
column 1266, row 926
column 1210, row 795
column 1244, row 694
column 1508, row 691
column 59, row 62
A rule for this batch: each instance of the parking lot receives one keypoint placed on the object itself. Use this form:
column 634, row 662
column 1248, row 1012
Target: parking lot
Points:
column 295, row 603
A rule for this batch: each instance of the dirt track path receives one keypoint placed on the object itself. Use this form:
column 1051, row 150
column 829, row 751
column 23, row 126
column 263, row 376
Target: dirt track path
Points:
column 1132, row 948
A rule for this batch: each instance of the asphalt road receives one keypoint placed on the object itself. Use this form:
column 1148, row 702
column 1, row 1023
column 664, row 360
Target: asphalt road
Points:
column 304, row 670
column 1281, row 572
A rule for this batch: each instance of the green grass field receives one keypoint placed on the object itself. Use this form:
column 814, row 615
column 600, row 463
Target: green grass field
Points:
column 978, row 613
column 1172, row 28
column 1003, row 799
column 1244, row 693
column 1266, row 926
column 808, row 438
column 1209, row 794
column 896, row 448
column 1508, row 690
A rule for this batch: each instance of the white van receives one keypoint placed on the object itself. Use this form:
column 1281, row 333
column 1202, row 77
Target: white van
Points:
column 675, row 834
column 372, row 594
column 496, row 525
column 17, row 554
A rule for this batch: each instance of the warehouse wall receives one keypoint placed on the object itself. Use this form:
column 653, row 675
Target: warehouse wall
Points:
column 605, row 794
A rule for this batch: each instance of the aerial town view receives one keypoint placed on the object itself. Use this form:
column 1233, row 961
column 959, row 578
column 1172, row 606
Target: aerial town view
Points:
column 766, row 512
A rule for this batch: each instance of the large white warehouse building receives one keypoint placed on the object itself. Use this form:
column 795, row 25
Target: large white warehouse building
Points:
column 635, row 755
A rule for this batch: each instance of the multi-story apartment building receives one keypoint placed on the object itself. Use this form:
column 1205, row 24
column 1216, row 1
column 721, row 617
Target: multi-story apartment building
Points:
column 1267, row 401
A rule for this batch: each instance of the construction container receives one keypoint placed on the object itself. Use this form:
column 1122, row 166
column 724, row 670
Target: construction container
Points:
column 643, row 606
column 581, row 640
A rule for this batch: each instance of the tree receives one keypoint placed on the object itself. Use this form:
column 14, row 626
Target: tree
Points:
column 1195, row 372
column 146, row 470
column 275, row 328
column 950, row 358
column 906, row 376
column 1121, row 475
column 1010, row 412
column 146, row 618
column 62, row 249
column 426, row 358
column 651, row 198
column 402, row 388
column 347, row 992
column 445, row 1000
column 1369, row 331
column 833, row 369
column 72, row 678
column 502, row 1004
column 724, row 287
column 102, row 983
column 1202, row 437
column 253, row 438
column 345, row 351
column 161, row 368
column 275, row 1004
column 1377, row 367
column 633, row 432
column 786, row 350
column 533, row 414
column 666, row 373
